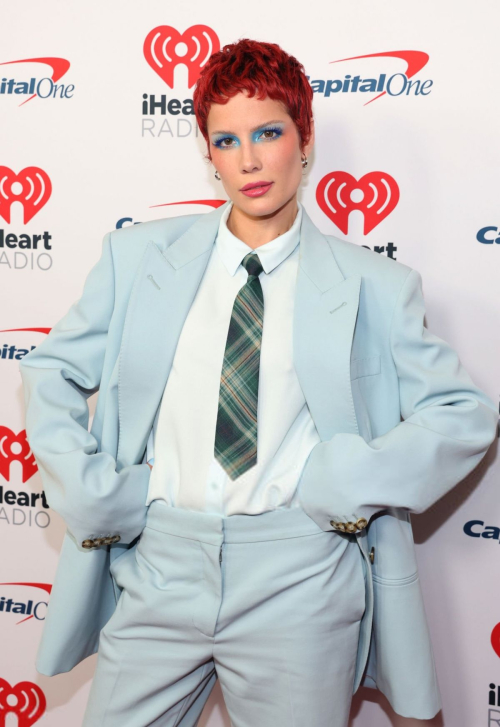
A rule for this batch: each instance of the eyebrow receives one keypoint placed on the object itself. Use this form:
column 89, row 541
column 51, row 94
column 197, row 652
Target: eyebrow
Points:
column 255, row 128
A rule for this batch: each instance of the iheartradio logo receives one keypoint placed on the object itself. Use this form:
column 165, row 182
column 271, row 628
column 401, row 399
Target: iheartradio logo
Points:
column 16, row 447
column 165, row 48
column 25, row 700
column 339, row 193
column 32, row 187
column 19, row 507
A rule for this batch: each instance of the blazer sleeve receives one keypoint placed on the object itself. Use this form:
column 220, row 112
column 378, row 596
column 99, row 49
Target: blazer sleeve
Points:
column 80, row 482
column 150, row 453
column 448, row 425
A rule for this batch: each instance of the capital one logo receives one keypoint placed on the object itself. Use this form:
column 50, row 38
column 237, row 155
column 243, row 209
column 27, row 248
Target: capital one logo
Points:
column 127, row 221
column 43, row 88
column 165, row 48
column 29, row 609
column 15, row 447
column 375, row 195
column 25, row 700
column 31, row 186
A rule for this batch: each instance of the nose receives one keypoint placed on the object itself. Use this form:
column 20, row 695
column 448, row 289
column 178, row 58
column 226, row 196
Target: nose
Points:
column 249, row 158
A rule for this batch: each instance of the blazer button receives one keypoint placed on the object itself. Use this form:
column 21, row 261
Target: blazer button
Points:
column 333, row 524
column 107, row 540
column 88, row 543
column 341, row 526
column 115, row 538
column 351, row 527
column 99, row 542
column 362, row 523
column 372, row 555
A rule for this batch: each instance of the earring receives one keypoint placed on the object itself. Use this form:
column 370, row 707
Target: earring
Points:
column 304, row 162
column 216, row 173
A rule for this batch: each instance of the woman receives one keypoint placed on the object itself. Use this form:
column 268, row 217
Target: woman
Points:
column 276, row 514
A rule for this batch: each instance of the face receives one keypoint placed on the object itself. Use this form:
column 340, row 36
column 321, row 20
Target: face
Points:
column 252, row 140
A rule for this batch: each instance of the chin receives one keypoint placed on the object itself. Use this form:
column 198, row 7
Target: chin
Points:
column 260, row 206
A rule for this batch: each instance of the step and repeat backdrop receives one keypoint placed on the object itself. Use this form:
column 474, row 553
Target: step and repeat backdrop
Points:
column 98, row 132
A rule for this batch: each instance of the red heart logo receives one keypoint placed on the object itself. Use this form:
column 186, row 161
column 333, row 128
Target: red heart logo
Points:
column 495, row 639
column 165, row 48
column 26, row 700
column 377, row 192
column 35, row 192
column 24, row 455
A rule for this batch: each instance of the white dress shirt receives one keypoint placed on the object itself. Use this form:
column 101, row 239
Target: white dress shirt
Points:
column 185, row 472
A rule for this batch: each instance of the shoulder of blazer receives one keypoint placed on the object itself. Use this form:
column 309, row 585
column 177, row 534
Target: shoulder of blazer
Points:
column 163, row 232
column 372, row 266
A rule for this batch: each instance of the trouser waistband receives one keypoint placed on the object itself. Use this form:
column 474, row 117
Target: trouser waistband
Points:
column 277, row 524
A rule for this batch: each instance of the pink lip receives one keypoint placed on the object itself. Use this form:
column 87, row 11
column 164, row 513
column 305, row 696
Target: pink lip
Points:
column 260, row 183
column 257, row 190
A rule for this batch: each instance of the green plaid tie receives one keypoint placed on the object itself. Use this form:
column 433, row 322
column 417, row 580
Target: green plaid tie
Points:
column 236, row 431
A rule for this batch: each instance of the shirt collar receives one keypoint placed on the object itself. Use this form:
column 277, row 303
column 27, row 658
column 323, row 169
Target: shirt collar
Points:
column 232, row 250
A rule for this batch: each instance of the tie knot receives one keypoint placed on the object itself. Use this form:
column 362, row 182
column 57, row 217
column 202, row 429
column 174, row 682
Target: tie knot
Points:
column 252, row 264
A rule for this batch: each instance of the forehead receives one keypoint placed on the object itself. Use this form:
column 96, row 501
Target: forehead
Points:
column 242, row 113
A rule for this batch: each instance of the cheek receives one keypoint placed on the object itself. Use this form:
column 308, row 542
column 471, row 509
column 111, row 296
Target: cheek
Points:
column 227, row 165
column 286, row 159
column 219, row 158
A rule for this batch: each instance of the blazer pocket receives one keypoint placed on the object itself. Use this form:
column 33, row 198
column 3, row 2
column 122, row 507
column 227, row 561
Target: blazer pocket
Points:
column 368, row 366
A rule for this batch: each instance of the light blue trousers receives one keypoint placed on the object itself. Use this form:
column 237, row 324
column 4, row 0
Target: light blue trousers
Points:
column 270, row 604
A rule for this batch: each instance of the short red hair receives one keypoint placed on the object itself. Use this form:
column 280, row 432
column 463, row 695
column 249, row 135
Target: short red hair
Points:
column 255, row 67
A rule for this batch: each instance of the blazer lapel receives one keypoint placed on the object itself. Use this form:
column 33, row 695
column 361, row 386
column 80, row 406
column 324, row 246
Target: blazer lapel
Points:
column 164, row 288
column 166, row 282
column 325, row 313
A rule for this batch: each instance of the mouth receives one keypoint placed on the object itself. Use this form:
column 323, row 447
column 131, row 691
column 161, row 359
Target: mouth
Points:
column 256, row 189
column 252, row 185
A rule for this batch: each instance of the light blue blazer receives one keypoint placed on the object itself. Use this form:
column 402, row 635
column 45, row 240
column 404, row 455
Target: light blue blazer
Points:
column 400, row 421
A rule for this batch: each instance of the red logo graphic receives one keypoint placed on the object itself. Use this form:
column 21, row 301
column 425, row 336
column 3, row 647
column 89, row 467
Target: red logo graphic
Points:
column 415, row 60
column 37, row 330
column 36, row 189
column 165, row 48
column 59, row 67
column 22, row 454
column 495, row 639
column 377, row 192
column 26, row 700
column 215, row 203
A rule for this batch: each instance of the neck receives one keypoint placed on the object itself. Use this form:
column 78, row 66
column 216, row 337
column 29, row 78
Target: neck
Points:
column 255, row 231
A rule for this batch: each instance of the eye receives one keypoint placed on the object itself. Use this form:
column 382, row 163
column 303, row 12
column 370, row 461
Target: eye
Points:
column 270, row 134
column 220, row 145
column 277, row 132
